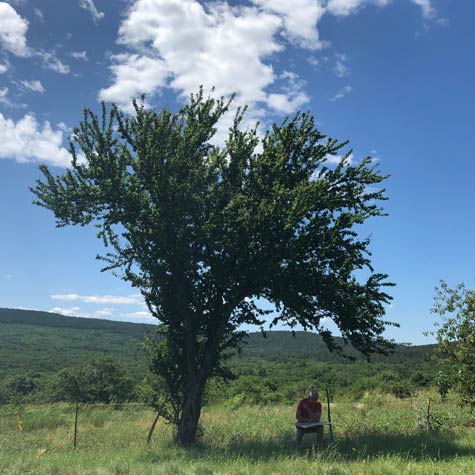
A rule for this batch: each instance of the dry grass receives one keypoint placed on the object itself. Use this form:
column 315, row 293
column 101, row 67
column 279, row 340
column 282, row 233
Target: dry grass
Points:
column 380, row 437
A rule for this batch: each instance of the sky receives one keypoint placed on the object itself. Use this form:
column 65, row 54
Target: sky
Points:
column 395, row 77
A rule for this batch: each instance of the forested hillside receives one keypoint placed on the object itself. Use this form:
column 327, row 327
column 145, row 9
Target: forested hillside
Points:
column 37, row 345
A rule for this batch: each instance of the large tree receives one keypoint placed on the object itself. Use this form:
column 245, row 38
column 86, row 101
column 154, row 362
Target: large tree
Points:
column 208, row 233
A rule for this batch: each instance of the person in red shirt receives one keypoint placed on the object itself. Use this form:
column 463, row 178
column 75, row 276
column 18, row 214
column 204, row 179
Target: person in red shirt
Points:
column 309, row 410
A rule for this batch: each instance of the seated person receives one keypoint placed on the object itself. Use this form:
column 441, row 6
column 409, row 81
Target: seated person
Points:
column 309, row 410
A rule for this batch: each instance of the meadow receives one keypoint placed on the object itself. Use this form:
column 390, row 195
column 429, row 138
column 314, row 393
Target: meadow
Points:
column 377, row 435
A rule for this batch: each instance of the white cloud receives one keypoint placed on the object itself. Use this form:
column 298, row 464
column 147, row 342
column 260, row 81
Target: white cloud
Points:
column 80, row 55
column 39, row 14
column 13, row 30
column 50, row 61
column 341, row 69
column 91, row 8
column 300, row 19
column 134, row 75
column 139, row 314
column 182, row 44
column 29, row 141
column 428, row 11
column 349, row 7
column 34, row 86
column 344, row 7
column 336, row 159
column 341, row 93
column 4, row 67
column 293, row 96
column 104, row 312
column 67, row 312
column 99, row 299
column 313, row 61
column 8, row 103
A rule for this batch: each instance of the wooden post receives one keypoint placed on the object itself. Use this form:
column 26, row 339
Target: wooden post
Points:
column 150, row 432
column 329, row 416
column 76, row 425
column 428, row 422
column 19, row 421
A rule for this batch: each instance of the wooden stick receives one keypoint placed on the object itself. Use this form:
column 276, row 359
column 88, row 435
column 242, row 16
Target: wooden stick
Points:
column 150, row 432
column 329, row 416
column 428, row 415
column 76, row 425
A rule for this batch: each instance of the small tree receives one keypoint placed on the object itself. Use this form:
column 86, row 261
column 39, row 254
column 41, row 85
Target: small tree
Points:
column 207, row 233
column 456, row 339
column 104, row 381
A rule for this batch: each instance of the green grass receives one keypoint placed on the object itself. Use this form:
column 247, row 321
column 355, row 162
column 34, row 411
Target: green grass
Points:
column 373, row 438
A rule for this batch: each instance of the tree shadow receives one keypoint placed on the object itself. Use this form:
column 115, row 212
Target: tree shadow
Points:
column 440, row 445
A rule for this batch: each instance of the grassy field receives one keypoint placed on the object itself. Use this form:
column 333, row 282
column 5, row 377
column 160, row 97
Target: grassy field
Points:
column 373, row 437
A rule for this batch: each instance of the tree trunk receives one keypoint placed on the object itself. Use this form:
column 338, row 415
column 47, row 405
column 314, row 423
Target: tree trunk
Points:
column 188, row 423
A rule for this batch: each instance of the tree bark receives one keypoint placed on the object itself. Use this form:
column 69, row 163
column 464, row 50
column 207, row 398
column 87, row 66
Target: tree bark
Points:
column 188, row 423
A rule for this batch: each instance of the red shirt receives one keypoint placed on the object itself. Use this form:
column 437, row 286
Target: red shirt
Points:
column 308, row 410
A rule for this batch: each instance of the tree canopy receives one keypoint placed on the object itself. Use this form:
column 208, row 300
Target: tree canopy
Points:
column 207, row 233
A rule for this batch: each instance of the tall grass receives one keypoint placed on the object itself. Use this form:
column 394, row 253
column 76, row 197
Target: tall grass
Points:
column 375, row 437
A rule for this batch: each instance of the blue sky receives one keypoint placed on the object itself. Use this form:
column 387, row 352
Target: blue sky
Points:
column 395, row 77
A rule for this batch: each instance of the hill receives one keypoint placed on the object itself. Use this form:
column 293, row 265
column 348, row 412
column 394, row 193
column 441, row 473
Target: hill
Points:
column 42, row 341
column 39, row 344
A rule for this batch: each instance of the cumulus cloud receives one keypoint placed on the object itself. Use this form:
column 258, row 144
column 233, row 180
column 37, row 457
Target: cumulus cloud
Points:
column 99, row 299
column 134, row 75
column 91, row 8
column 300, row 19
column 181, row 44
column 13, row 30
column 29, row 141
column 34, row 86
column 292, row 97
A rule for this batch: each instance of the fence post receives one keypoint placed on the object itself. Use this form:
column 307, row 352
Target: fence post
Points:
column 19, row 421
column 329, row 416
column 76, row 424
column 428, row 416
column 150, row 432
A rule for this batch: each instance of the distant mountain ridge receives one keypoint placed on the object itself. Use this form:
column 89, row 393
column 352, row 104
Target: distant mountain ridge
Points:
column 43, row 342
column 36, row 317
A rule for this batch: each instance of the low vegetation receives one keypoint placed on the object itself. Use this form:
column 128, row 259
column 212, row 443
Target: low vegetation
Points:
column 375, row 436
